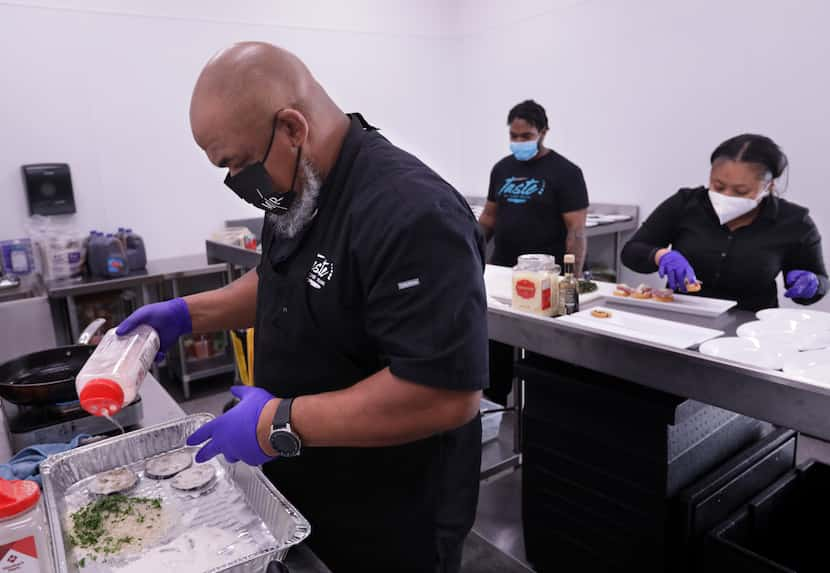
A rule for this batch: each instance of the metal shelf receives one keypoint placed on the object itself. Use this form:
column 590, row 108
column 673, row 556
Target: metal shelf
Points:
column 208, row 368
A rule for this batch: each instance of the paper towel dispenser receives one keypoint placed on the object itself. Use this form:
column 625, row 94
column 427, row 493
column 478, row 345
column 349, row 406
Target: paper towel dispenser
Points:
column 49, row 189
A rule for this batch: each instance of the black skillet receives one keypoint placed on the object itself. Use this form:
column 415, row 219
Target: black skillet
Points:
column 48, row 376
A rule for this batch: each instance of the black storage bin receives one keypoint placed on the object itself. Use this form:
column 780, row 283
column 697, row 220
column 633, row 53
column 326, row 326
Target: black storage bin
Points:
column 709, row 501
column 602, row 458
column 780, row 530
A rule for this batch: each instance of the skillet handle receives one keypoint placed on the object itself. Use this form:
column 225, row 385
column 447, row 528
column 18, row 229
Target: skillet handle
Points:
column 91, row 330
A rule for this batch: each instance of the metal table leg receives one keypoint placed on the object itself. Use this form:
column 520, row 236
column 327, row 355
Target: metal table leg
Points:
column 515, row 461
column 72, row 310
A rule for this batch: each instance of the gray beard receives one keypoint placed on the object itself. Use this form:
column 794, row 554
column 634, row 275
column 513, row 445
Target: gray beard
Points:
column 302, row 211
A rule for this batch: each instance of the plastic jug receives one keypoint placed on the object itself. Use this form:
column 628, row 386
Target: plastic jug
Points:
column 111, row 377
column 116, row 257
column 93, row 253
column 136, row 253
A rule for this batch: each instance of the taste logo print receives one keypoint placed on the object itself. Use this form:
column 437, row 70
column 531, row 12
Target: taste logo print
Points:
column 321, row 272
column 520, row 190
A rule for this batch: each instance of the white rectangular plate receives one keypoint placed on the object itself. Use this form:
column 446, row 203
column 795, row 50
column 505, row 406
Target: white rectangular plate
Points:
column 696, row 305
column 644, row 328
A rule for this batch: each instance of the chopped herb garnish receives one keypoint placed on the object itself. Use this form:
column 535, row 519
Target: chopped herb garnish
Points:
column 89, row 523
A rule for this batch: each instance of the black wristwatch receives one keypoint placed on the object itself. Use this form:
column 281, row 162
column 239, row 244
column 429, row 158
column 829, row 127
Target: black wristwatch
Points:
column 282, row 438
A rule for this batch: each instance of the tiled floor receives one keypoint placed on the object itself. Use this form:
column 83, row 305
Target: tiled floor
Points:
column 498, row 521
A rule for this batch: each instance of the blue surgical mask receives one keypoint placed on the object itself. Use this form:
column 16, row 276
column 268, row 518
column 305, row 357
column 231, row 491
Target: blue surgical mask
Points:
column 524, row 150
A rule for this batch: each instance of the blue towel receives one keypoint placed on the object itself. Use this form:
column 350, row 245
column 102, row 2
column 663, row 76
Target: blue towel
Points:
column 25, row 464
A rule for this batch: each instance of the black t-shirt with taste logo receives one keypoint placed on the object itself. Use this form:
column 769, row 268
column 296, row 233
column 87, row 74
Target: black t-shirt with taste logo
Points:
column 531, row 197
column 388, row 274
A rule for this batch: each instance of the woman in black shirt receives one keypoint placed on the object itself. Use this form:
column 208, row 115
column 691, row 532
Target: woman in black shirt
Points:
column 736, row 236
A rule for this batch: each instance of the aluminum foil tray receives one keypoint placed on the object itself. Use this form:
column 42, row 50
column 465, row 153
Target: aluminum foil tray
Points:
column 238, row 523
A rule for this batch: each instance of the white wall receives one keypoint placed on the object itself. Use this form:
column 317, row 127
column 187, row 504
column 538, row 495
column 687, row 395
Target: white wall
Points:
column 639, row 92
column 105, row 85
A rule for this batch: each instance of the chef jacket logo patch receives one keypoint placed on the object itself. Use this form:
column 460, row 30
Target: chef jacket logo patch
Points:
column 321, row 272
column 521, row 189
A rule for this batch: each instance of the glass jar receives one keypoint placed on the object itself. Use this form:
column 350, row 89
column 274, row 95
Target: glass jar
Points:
column 535, row 284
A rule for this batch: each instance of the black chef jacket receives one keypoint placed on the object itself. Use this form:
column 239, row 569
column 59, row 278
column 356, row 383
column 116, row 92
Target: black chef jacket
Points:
column 739, row 265
column 531, row 197
column 389, row 273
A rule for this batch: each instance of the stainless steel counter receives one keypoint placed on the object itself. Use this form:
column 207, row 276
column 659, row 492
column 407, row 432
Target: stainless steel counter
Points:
column 762, row 394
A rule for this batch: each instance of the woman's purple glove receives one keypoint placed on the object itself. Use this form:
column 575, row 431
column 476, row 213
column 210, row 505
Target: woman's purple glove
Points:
column 233, row 434
column 801, row 284
column 677, row 269
column 170, row 319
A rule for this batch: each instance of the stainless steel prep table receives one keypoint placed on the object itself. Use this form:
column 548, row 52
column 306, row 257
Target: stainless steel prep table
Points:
column 157, row 271
column 761, row 394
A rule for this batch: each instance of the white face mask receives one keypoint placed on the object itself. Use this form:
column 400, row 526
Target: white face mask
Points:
column 729, row 208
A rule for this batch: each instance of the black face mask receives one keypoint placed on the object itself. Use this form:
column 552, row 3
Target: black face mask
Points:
column 254, row 185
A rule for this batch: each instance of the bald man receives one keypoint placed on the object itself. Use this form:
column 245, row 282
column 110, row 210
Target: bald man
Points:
column 370, row 317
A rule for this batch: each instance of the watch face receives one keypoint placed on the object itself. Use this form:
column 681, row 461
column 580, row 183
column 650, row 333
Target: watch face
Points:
column 285, row 443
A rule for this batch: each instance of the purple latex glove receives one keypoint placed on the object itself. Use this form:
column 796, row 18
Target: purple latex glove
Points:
column 802, row 284
column 677, row 269
column 170, row 319
column 233, row 434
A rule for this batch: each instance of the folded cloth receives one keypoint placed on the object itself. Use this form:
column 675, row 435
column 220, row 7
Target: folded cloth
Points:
column 25, row 464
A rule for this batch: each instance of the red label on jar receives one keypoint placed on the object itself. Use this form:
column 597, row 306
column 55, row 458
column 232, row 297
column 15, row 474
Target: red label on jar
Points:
column 545, row 299
column 525, row 288
column 19, row 556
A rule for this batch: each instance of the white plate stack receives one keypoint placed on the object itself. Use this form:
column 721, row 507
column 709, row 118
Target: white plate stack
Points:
column 793, row 340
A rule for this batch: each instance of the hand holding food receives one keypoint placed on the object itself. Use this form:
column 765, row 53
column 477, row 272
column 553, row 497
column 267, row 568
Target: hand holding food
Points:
column 674, row 267
column 694, row 286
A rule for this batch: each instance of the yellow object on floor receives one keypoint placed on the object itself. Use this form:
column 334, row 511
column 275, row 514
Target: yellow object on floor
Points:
column 243, row 351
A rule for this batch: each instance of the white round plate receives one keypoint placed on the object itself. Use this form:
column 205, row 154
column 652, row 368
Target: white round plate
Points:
column 805, row 335
column 801, row 362
column 750, row 351
column 815, row 318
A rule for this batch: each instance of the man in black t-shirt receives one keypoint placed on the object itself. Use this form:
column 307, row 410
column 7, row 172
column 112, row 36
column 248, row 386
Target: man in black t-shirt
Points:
column 537, row 203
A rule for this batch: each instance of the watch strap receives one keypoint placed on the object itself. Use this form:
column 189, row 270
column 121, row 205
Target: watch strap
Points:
column 283, row 415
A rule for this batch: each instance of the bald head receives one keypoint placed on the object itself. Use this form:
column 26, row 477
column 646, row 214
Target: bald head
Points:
column 246, row 83
column 247, row 89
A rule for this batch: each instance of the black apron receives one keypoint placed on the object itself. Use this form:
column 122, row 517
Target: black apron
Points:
column 402, row 508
